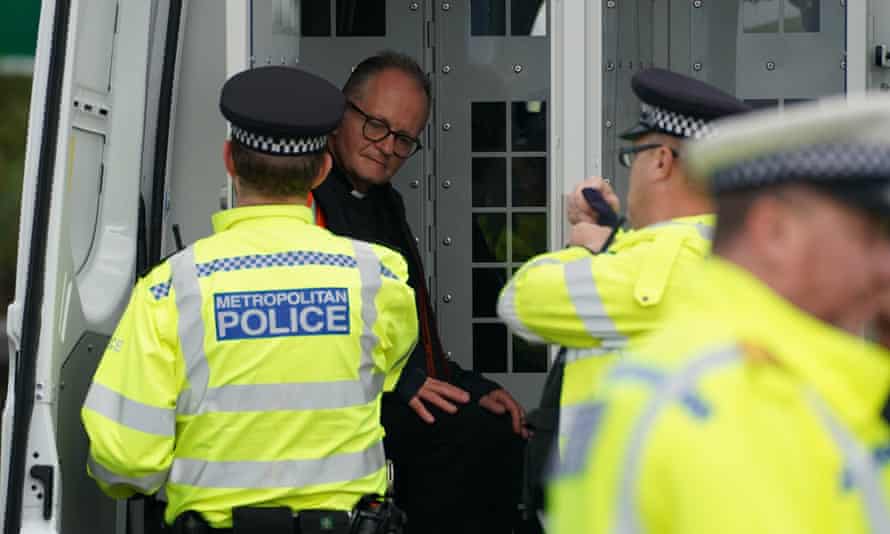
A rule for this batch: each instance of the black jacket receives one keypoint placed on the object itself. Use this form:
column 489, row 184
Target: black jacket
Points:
column 379, row 217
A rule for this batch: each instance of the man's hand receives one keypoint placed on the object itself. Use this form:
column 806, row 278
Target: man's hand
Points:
column 500, row 402
column 590, row 236
column 439, row 394
column 577, row 208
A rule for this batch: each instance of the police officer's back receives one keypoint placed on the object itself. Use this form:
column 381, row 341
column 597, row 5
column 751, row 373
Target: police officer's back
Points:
column 247, row 369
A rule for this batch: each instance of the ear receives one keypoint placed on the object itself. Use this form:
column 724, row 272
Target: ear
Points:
column 663, row 163
column 227, row 158
column 326, row 163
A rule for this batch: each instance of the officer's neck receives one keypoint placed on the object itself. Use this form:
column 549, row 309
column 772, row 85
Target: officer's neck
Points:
column 263, row 200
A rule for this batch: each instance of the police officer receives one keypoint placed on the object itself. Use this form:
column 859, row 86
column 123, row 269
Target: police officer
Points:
column 759, row 408
column 245, row 375
column 595, row 302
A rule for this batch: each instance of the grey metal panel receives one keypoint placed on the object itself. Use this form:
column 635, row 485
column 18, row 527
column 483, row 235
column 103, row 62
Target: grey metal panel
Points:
column 197, row 169
column 806, row 65
column 480, row 69
column 878, row 33
column 84, row 507
column 713, row 29
column 84, row 187
column 95, row 48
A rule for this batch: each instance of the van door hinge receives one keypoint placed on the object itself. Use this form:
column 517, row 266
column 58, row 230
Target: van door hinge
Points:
column 44, row 474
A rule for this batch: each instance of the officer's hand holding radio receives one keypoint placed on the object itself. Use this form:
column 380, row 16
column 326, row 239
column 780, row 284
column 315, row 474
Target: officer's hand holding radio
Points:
column 579, row 210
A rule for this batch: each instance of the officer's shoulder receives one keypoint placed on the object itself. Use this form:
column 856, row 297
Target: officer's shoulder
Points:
column 158, row 271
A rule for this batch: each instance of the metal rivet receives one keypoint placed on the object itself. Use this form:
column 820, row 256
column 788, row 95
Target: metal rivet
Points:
column 610, row 66
column 770, row 65
column 517, row 68
column 697, row 66
column 448, row 354
column 446, row 69
column 414, row 6
column 446, row 126
column 415, row 184
column 447, row 298
column 447, row 241
column 446, row 6
column 268, row 60
column 608, row 124
column 697, row 3
column 283, row 60
column 446, row 184
column 610, row 4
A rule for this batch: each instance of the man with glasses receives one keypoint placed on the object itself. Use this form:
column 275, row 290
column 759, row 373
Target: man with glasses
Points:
column 455, row 437
column 612, row 286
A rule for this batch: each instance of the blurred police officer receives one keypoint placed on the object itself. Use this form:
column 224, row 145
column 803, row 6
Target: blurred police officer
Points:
column 759, row 408
column 245, row 375
column 594, row 301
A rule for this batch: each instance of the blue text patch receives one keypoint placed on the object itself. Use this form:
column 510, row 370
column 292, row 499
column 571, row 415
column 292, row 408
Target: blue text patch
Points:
column 285, row 312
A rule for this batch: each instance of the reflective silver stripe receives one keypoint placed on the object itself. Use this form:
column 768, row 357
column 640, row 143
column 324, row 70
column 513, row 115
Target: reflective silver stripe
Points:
column 372, row 281
column 704, row 230
column 574, row 355
column 278, row 474
column 865, row 474
column 589, row 307
column 290, row 396
column 567, row 415
column 673, row 388
column 191, row 329
column 507, row 305
column 129, row 413
column 146, row 484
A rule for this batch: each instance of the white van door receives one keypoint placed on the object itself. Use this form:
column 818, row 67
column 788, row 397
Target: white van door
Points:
column 92, row 204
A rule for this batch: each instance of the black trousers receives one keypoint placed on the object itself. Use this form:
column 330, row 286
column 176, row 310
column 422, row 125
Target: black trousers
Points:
column 459, row 475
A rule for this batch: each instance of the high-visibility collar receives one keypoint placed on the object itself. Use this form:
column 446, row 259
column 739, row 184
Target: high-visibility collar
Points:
column 226, row 219
column 850, row 373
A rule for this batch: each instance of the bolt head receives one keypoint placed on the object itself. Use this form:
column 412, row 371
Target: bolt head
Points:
column 610, row 4
column 446, row 69
column 446, row 6
column 770, row 65
column 517, row 68
column 446, row 184
column 414, row 6
column 697, row 3
column 697, row 66
column 446, row 126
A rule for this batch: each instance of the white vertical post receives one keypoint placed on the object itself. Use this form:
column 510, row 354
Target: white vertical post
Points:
column 857, row 46
column 576, row 102
column 237, row 60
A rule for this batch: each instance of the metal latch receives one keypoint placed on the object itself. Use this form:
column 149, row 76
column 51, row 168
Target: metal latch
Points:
column 44, row 473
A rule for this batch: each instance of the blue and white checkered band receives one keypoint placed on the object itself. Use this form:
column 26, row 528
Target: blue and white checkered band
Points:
column 824, row 163
column 672, row 123
column 281, row 146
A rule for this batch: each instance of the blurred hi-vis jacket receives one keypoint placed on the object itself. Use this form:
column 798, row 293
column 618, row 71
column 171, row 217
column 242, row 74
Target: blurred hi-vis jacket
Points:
column 743, row 415
column 595, row 304
column 247, row 369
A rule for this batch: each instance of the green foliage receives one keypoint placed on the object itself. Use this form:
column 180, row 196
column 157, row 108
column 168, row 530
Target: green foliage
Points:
column 15, row 94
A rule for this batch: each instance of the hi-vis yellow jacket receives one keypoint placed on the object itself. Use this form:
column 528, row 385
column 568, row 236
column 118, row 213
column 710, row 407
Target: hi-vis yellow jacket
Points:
column 744, row 415
column 248, row 368
column 595, row 304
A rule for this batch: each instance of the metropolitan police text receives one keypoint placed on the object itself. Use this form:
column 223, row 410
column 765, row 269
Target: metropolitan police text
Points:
column 286, row 312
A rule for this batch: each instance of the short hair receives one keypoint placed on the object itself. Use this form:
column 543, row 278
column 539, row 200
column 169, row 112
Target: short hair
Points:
column 732, row 211
column 386, row 60
column 277, row 176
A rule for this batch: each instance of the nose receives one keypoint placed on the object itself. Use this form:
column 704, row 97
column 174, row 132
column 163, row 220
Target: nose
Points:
column 387, row 144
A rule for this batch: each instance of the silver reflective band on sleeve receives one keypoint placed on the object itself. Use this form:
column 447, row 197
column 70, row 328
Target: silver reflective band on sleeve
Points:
column 129, row 413
column 291, row 396
column 507, row 312
column 191, row 329
column 278, row 474
column 865, row 474
column 589, row 305
column 673, row 388
column 369, row 272
column 146, row 484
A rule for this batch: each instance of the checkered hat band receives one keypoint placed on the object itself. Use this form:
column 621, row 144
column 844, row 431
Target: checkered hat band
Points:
column 813, row 164
column 279, row 146
column 670, row 122
column 265, row 261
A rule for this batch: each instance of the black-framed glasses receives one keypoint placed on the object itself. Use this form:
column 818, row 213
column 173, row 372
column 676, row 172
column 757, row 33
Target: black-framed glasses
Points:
column 376, row 130
column 627, row 154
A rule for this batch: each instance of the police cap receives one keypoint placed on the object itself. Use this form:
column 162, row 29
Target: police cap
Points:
column 282, row 111
column 839, row 145
column 678, row 105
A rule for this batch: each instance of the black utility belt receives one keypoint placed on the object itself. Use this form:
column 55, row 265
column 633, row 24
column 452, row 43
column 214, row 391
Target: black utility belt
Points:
column 281, row 520
column 372, row 515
